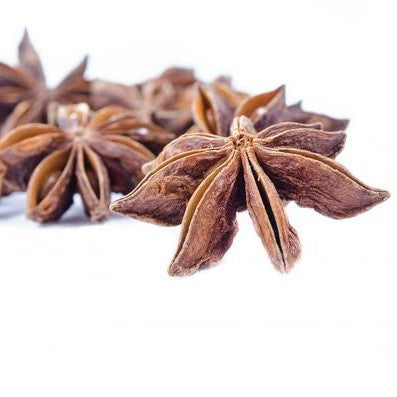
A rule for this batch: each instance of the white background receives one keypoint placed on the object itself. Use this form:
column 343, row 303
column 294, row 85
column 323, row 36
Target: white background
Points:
column 88, row 310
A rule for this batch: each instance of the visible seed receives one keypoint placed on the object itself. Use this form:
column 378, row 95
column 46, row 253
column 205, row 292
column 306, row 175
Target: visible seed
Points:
column 49, row 184
column 93, row 181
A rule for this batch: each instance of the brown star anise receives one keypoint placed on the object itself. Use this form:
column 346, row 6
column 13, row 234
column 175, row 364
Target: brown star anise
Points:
column 164, row 100
column 24, row 95
column 85, row 152
column 206, row 178
column 213, row 110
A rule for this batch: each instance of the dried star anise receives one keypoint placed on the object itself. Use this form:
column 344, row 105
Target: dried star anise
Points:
column 85, row 152
column 206, row 178
column 213, row 110
column 24, row 95
column 164, row 100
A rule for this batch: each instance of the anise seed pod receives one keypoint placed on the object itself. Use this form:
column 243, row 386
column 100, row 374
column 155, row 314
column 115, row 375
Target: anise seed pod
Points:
column 164, row 100
column 90, row 153
column 24, row 95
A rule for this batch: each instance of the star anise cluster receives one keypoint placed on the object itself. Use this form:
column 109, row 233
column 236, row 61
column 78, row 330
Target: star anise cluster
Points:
column 183, row 150
column 36, row 121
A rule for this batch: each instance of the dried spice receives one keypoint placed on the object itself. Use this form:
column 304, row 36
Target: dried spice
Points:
column 206, row 178
column 24, row 95
column 164, row 100
column 85, row 152
column 214, row 109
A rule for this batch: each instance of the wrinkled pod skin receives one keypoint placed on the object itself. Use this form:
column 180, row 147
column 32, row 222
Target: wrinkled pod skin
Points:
column 93, row 154
column 201, row 179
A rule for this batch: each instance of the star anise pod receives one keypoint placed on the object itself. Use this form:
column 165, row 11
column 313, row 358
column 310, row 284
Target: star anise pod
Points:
column 164, row 100
column 180, row 78
column 207, row 178
column 24, row 95
column 90, row 153
column 213, row 112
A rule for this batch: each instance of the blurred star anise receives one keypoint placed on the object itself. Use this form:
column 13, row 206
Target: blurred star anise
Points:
column 206, row 178
column 24, row 95
column 90, row 153
column 164, row 100
column 214, row 110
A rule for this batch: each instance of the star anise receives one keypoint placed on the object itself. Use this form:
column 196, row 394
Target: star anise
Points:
column 213, row 112
column 85, row 152
column 207, row 178
column 164, row 100
column 24, row 95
